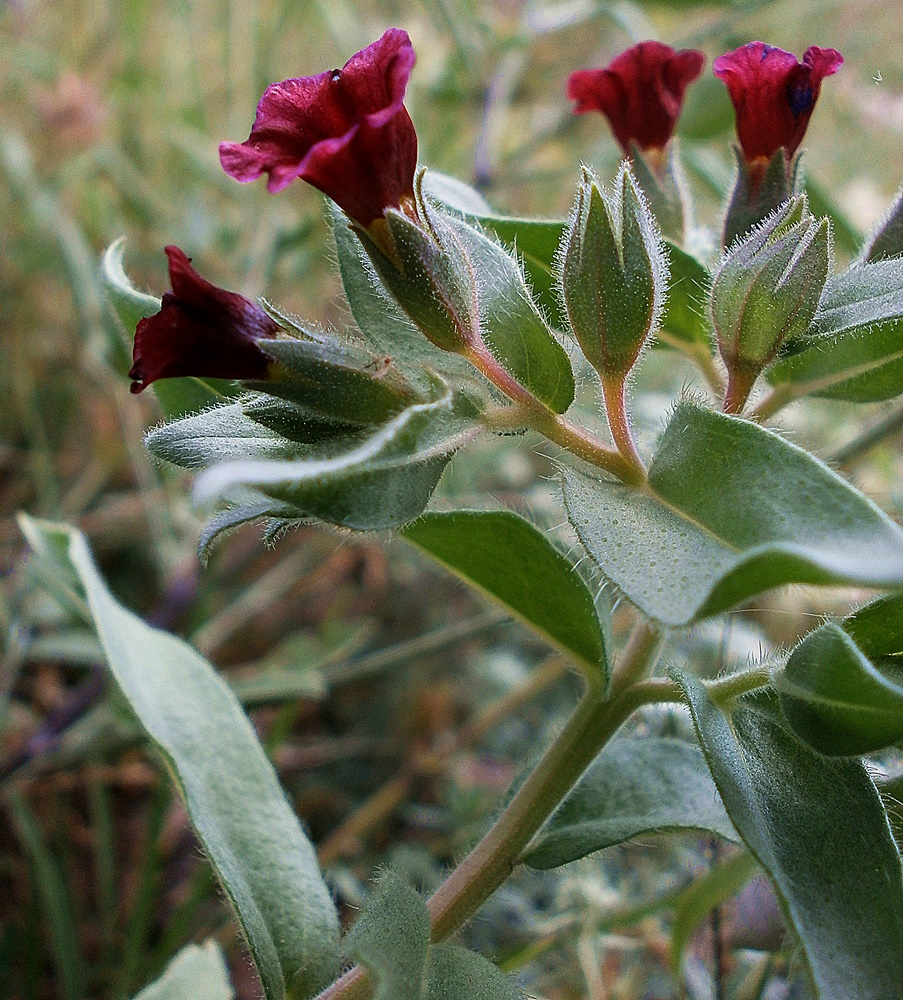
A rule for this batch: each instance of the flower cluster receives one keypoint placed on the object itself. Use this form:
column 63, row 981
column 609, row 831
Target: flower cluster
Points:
column 641, row 93
column 348, row 133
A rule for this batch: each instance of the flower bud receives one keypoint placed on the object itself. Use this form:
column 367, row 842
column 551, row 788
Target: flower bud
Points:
column 613, row 273
column 766, row 290
column 426, row 269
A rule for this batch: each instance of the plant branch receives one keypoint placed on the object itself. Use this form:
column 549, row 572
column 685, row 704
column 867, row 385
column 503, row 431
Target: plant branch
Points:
column 554, row 426
column 613, row 391
column 596, row 719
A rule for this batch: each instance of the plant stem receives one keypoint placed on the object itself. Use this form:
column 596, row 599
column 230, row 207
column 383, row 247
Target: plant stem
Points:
column 740, row 381
column 554, row 426
column 850, row 453
column 618, row 421
column 596, row 719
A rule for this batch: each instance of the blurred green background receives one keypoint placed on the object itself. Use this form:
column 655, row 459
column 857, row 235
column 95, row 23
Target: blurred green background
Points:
column 110, row 117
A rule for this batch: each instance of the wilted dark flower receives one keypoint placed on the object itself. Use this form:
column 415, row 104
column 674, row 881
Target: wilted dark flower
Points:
column 345, row 131
column 640, row 92
column 200, row 330
column 773, row 94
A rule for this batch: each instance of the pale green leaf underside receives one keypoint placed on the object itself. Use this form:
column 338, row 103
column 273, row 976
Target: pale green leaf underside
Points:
column 198, row 972
column 635, row 786
column 732, row 510
column 514, row 563
column 384, row 481
column 817, row 827
column 265, row 862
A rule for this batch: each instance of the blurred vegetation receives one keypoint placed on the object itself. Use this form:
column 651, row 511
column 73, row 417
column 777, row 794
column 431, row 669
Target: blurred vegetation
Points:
column 396, row 707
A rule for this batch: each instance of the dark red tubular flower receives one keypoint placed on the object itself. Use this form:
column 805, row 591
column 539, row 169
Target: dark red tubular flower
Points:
column 200, row 330
column 773, row 95
column 345, row 131
column 640, row 92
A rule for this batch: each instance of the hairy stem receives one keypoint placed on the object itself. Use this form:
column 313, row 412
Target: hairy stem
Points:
column 557, row 428
column 618, row 421
column 596, row 719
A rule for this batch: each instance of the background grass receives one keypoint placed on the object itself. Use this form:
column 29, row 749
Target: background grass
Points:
column 110, row 116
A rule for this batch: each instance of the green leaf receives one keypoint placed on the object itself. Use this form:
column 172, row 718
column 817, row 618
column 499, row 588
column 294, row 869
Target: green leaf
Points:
column 846, row 236
column 512, row 562
column 836, row 699
column 855, row 350
column 635, row 786
column 686, row 310
column 391, row 938
column 198, row 972
column 732, row 510
column 817, row 827
column 455, row 973
column 177, row 396
column 383, row 481
column 217, row 435
column 877, row 627
column 266, row 864
column 886, row 240
column 536, row 243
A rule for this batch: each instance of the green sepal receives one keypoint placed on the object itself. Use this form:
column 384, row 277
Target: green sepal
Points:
column 886, row 240
column 767, row 287
column 665, row 189
column 430, row 276
column 754, row 198
column 836, row 699
column 334, row 381
column 613, row 273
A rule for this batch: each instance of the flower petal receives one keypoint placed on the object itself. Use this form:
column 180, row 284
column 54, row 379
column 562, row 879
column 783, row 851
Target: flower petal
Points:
column 200, row 330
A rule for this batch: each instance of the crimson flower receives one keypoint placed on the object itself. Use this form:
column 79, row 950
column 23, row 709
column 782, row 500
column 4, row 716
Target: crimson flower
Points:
column 640, row 92
column 345, row 131
column 773, row 94
column 200, row 330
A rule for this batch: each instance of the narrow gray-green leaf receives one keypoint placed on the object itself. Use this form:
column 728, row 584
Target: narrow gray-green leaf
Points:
column 266, row 864
column 836, row 699
column 515, row 564
column 818, row 828
column 855, row 350
column 634, row 787
column 385, row 481
column 391, row 937
column 217, row 435
column 456, row 973
column 732, row 510
column 198, row 972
